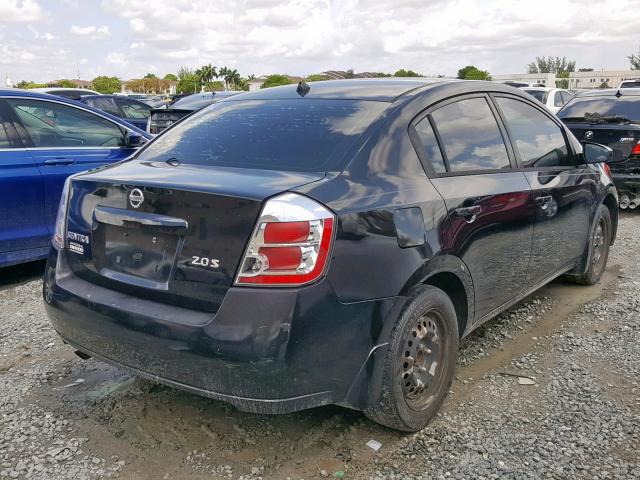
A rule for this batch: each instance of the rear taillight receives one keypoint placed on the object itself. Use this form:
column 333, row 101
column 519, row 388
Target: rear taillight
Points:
column 636, row 149
column 607, row 169
column 290, row 244
column 60, row 231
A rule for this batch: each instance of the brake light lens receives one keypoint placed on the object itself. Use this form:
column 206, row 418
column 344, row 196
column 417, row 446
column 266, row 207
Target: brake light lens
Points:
column 60, row 231
column 636, row 149
column 607, row 170
column 290, row 244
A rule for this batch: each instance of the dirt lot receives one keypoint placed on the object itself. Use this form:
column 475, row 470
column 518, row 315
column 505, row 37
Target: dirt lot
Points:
column 64, row 418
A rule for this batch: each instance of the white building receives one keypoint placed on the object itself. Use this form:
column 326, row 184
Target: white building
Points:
column 597, row 78
column 546, row 79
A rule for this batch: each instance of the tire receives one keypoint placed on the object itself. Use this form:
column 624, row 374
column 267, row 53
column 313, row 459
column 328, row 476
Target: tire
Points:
column 405, row 404
column 599, row 245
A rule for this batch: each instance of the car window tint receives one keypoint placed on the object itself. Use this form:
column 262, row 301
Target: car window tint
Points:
column 606, row 105
column 4, row 137
column 557, row 100
column 429, row 145
column 134, row 110
column 537, row 138
column 470, row 136
column 104, row 104
column 565, row 97
column 297, row 135
column 52, row 124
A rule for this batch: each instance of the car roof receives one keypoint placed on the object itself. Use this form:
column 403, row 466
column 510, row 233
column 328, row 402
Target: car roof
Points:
column 610, row 92
column 17, row 92
column 376, row 89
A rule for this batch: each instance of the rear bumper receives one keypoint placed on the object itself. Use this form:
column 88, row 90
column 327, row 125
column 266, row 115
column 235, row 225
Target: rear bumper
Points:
column 264, row 350
column 626, row 183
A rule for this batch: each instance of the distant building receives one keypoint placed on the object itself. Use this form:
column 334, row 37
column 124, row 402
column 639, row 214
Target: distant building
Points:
column 530, row 79
column 596, row 79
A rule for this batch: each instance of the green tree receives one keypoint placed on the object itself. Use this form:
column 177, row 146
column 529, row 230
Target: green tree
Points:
column 564, row 80
column 67, row 84
column 171, row 76
column 349, row 73
column 232, row 78
column 471, row 72
column 215, row 86
column 187, row 81
column 275, row 80
column 150, row 75
column 316, row 77
column 104, row 84
column 604, row 85
column 29, row 84
column 206, row 74
column 406, row 73
column 551, row 65
column 634, row 60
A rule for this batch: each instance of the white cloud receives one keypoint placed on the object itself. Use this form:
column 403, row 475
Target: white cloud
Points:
column 91, row 31
column 20, row 11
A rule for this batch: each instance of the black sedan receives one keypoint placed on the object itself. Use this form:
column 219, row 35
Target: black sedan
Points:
column 327, row 243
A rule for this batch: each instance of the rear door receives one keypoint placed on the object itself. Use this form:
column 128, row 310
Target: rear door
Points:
column 22, row 224
column 563, row 190
column 489, row 204
column 63, row 140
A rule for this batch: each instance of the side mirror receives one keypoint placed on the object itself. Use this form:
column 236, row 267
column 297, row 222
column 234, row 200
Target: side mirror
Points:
column 133, row 139
column 596, row 153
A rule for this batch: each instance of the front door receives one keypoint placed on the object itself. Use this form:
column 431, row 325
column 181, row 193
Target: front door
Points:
column 489, row 205
column 562, row 190
column 22, row 225
column 64, row 140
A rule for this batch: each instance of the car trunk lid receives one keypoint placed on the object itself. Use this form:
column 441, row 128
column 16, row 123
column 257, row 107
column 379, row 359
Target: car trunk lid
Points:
column 175, row 234
column 620, row 138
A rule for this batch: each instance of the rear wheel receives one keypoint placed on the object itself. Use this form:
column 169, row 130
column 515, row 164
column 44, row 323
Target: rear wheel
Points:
column 600, row 243
column 420, row 362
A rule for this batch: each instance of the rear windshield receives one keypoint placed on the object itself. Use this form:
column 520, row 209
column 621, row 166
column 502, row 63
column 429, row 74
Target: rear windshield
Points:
column 625, row 106
column 296, row 135
column 539, row 95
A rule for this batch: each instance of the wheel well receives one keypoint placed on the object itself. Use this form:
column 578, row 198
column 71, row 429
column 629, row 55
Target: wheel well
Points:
column 454, row 288
column 610, row 202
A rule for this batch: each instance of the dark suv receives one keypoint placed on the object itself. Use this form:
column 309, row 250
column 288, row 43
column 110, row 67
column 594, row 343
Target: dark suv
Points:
column 327, row 243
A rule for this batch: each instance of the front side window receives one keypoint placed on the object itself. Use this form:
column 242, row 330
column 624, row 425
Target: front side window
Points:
column 537, row 139
column 52, row 124
column 470, row 136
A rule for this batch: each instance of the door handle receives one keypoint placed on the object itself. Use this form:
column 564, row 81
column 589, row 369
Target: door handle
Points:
column 59, row 161
column 469, row 213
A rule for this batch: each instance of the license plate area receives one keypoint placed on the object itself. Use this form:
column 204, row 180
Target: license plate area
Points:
column 141, row 253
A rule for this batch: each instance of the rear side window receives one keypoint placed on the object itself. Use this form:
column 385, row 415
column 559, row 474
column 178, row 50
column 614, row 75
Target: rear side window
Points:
column 4, row 138
column 134, row 110
column 429, row 145
column 297, row 135
column 104, row 104
column 52, row 124
column 558, row 101
column 537, row 139
column 470, row 136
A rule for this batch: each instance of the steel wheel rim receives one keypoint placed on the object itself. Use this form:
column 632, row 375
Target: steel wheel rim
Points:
column 422, row 363
column 599, row 243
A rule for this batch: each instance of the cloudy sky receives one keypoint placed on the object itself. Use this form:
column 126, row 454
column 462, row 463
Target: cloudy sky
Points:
column 42, row 40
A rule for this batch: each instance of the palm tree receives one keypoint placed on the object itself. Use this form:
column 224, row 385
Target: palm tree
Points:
column 232, row 77
column 224, row 73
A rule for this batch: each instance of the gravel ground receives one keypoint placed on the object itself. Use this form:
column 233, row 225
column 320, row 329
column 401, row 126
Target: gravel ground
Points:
column 578, row 416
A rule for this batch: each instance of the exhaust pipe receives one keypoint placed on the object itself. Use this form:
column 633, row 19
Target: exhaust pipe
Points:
column 624, row 202
column 633, row 203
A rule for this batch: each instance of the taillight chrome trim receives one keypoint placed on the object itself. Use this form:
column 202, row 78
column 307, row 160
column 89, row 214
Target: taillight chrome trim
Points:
column 289, row 207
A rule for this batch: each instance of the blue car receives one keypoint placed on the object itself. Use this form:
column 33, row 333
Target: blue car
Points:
column 128, row 109
column 43, row 140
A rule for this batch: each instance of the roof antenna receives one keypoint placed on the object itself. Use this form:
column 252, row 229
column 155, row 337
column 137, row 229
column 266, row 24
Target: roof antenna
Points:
column 303, row 88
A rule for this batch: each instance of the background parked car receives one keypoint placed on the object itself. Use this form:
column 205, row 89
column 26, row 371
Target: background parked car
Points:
column 552, row 98
column 43, row 140
column 611, row 117
column 70, row 93
column 163, row 117
column 635, row 83
column 128, row 109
